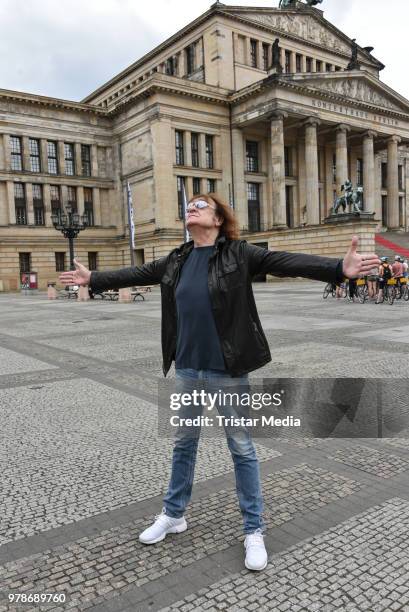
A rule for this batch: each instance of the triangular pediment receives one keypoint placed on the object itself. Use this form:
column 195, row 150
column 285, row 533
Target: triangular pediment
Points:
column 302, row 23
column 355, row 87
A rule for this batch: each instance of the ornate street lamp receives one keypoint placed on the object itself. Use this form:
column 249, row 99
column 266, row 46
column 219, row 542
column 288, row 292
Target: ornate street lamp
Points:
column 70, row 224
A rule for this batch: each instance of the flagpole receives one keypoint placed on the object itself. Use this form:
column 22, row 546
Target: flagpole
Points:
column 131, row 224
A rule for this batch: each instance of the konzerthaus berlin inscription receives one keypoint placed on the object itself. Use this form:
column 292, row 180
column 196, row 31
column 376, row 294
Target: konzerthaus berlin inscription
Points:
column 274, row 108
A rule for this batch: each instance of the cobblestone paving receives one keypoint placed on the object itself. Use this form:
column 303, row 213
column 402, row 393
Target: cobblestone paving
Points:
column 380, row 463
column 96, row 566
column 83, row 470
column 361, row 565
column 81, row 451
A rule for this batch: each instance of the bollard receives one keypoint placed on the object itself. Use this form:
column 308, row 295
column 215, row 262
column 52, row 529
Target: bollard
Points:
column 83, row 295
column 125, row 295
column 51, row 291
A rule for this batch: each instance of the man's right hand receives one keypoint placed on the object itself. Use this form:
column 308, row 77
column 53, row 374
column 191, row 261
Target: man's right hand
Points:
column 80, row 276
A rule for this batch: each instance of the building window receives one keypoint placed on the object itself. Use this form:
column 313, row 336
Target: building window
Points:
column 38, row 204
column 86, row 160
column 180, row 187
column 34, row 147
column 211, row 186
column 16, row 153
column 59, row 262
column 359, row 172
column 209, row 151
column 298, row 63
column 328, row 67
column 196, row 185
column 69, row 158
column 55, row 198
column 287, row 56
column 180, row 153
column 92, row 260
column 253, row 53
column 400, row 177
column 337, row 68
column 20, row 204
column 52, row 157
column 266, row 56
column 401, row 219
column 72, row 198
column 308, row 61
column 252, row 157
column 190, row 59
column 170, row 66
column 334, row 168
column 195, row 149
column 89, row 205
column 318, row 65
column 253, row 206
column 289, row 209
column 288, row 161
column 384, row 173
column 25, row 262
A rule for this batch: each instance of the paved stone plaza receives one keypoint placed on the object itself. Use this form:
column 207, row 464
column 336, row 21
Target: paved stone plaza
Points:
column 83, row 470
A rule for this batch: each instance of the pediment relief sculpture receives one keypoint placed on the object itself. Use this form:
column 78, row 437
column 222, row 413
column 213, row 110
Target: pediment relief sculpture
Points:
column 356, row 90
column 303, row 26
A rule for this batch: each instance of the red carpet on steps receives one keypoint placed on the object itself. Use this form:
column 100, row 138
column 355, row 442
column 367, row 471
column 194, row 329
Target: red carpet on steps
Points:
column 391, row 245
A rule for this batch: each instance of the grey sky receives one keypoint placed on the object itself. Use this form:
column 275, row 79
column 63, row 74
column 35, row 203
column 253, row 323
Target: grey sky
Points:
column 68, row 49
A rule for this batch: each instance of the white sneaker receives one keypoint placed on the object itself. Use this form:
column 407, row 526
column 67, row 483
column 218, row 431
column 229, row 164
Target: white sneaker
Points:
column 256, row 554
column 163, row 525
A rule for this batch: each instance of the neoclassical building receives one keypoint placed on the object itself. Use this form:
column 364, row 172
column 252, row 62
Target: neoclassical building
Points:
column 274, row 108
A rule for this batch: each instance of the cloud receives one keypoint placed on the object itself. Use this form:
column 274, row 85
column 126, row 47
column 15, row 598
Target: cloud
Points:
column 68, row 49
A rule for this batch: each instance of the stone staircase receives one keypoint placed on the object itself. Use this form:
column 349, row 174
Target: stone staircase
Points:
column 389, row 244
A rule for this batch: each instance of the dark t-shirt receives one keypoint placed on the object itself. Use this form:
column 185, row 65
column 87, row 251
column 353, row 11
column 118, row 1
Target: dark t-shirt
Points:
column 198, row 344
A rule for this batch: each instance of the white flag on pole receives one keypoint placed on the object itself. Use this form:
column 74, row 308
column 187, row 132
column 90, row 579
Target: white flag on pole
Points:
column 187, row 235
column 130, row 215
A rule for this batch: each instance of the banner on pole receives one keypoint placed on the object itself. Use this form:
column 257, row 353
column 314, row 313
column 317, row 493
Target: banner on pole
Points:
column 130, row 215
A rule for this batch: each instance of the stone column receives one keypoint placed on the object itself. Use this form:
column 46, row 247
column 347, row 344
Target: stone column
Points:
column 329, row 180
column 43, row 155
column 378, row 189
column 29, row 203
column 238, row 184
column 77, row 157
column 303, row 63
column 260, row 62
column 188, row 149
column 369, row 171
column 314, row 65
column 96, row 205
column 342, row 155
column 393, row 185
column 26, row 154
column 7, row 152
column 11, row 204
column 61, row 157
column 247, row 58
column 94, row 160
column 202, row 150
column 47, row 205
column 80, row 200
column 278, row 165
column 181, row 71
column 311, row 169
column 302, row 208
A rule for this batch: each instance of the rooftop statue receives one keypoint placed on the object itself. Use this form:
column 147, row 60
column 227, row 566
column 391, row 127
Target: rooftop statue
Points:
column 289, row 3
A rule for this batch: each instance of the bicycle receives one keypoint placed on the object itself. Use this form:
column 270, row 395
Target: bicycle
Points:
column 389, row 292
column 361, row 290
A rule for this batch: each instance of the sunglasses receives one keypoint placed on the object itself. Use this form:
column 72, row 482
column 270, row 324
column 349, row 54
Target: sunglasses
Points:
column 199, row 204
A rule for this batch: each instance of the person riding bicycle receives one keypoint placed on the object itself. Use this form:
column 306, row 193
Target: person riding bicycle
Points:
column 397, row 269
column 385, row 273
column 404, row 266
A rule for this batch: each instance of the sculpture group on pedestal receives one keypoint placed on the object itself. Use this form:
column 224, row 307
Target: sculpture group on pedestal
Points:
column 351, row 197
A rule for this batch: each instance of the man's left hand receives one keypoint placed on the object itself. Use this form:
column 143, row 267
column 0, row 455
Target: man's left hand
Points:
column 355, row 264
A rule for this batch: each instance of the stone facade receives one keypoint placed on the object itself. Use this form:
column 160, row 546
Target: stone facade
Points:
column 206, row 108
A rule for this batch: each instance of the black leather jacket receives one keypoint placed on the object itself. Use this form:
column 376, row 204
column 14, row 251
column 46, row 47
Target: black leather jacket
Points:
column 231, row 268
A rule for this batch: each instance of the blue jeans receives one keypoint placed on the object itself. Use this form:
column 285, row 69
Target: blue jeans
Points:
column 241, row 447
